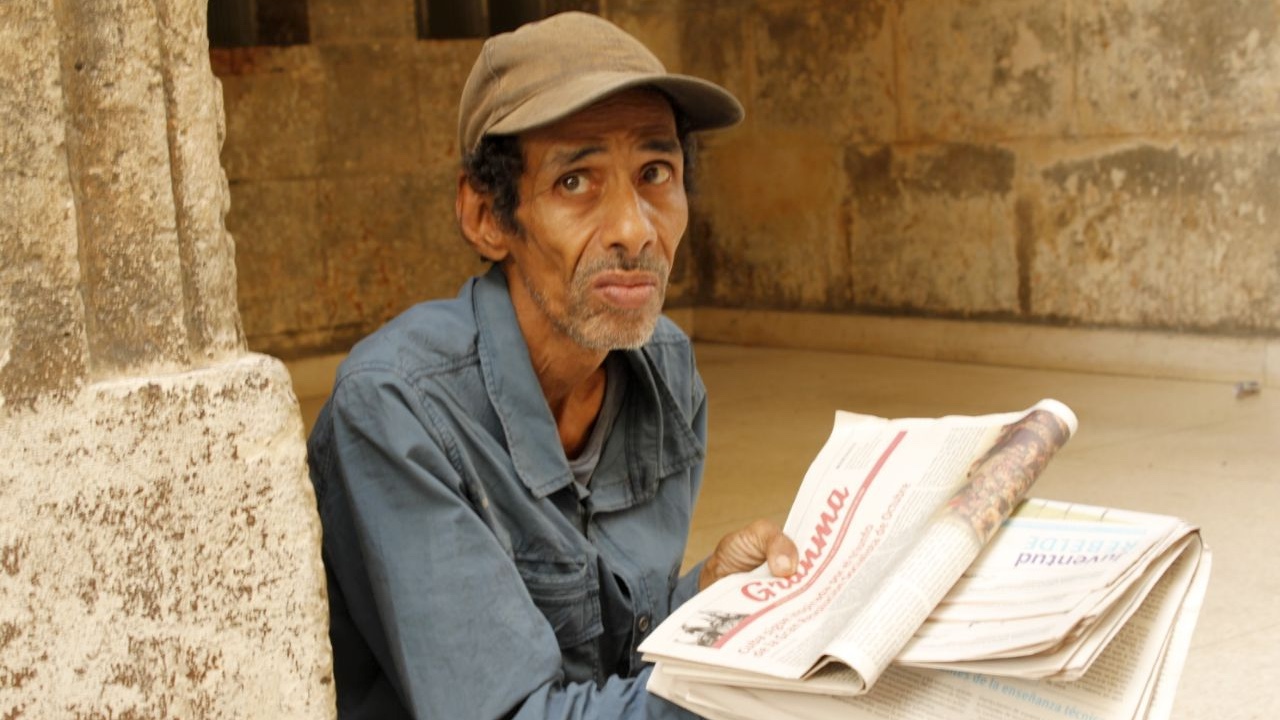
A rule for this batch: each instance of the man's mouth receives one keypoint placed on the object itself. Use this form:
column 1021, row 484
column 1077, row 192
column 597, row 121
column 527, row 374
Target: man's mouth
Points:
column 630, row 290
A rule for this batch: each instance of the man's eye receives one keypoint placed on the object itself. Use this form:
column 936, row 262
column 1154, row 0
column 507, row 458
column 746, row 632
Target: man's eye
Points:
column 657, row 174
column 574, row 184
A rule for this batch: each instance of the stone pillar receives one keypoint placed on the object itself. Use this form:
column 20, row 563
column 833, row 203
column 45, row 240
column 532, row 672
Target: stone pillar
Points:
column 159, row 546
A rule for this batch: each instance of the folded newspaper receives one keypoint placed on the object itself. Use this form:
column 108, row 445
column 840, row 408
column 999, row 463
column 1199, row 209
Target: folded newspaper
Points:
column 928, row 587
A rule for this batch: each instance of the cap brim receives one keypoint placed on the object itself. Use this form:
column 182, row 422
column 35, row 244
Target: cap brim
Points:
column 705, row 105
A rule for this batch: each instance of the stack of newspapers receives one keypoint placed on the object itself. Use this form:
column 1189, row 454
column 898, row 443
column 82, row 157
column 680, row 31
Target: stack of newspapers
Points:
column 928, row 588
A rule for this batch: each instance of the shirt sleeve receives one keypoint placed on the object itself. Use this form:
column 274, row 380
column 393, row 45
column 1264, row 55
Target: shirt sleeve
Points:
column 432, row 589
column 687, row 586
column 618, row 698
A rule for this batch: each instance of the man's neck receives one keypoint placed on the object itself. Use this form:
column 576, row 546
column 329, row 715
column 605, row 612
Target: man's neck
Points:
column 572, row 377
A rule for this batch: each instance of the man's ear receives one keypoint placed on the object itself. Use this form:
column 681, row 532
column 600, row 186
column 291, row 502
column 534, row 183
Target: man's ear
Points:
column 478, row 223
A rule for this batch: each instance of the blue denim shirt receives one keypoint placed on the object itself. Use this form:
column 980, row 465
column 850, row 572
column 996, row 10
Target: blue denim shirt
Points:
column 469, row 575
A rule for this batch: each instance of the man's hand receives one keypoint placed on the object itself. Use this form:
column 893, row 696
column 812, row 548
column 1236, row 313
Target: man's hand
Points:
column 746, row 549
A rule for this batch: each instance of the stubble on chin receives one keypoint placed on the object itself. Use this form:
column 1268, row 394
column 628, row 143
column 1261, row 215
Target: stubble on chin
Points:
column 597, row 326
column 615, row 330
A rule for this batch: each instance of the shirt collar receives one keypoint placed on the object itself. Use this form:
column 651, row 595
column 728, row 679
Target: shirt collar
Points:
column 660, row 440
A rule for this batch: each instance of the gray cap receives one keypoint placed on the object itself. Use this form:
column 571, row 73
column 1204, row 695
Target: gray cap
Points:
column 547, row 70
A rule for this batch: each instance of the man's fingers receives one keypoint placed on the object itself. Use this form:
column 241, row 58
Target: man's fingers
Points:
column 783, row 555
column 760, row 542
column 774, row 547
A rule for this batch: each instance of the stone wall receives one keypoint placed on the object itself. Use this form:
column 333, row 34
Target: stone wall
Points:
column 342, row 162
column 1097, row 164
column 342, row 168
column 159, row 547
column 1087, row 163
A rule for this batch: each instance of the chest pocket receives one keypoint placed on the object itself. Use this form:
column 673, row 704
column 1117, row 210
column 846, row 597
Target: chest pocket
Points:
column 568, row 594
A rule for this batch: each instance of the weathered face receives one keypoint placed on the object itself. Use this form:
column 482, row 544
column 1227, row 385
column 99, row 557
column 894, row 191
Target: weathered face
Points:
column 602, row 209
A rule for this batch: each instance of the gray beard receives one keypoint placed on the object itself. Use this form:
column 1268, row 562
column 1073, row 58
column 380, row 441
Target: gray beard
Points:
column 608, row 328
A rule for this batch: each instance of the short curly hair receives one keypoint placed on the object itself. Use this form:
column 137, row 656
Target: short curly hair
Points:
column 497, row 163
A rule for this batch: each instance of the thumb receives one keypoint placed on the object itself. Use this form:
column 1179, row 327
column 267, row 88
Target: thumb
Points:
column 783, row 555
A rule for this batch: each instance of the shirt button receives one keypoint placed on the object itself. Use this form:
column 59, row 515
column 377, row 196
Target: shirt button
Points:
column 642, row 623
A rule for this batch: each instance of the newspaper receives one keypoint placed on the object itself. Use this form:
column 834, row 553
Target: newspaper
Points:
column 888, row 517
column 1134, row 678
column 1051, row 590
column 891, row 522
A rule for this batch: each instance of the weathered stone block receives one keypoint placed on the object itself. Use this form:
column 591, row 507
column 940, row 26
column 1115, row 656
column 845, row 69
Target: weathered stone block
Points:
column 640, row 7
column 120, row 165
column 42, row 327
column 985, row 71
column 440, row 71
column 767, row 230
column 933, row 228
column 446, row 258
column 160, row 552
column 193, row 101
column 1178, row 236
column 714, row 45
column 825, row 70
column 554, row 7
column 389, row 241
column 159, row 546
column 282, row 268
column 370, row 109
column 335, row 21
column 654, row 25
column 682, row 284
column 1230, row 210
column 1151, row 66
column 32, row 123
column 275, row 101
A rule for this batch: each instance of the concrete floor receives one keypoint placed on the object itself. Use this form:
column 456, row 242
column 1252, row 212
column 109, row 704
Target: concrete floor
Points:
column 1190, row 449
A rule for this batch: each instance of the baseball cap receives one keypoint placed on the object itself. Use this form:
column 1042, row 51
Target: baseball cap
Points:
column 547, row 70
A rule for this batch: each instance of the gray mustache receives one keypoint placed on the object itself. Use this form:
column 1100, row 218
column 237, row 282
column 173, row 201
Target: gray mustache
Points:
column 645, row 262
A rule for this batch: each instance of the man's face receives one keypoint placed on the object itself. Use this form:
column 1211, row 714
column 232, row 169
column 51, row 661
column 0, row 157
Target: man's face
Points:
column 602, row 209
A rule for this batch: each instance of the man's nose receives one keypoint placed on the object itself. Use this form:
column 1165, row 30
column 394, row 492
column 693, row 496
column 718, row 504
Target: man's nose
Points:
column 627, row 220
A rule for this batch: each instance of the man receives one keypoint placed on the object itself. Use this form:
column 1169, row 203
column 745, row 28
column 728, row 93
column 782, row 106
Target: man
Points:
column 506, row 479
